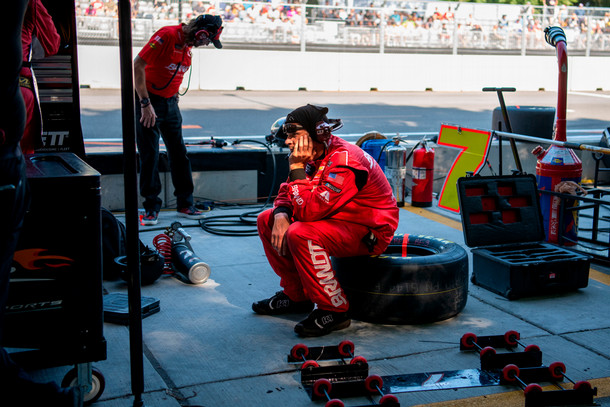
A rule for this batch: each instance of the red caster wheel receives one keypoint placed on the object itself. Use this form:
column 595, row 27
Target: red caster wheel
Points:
column 299, row 351
column 321, row 388
column 358, row 360
column 487, row 352
column 531, row 348
column 510, row 373
column 532, row 388
column 583, row 386
column 373, row 383
column 309, row 364
column 468, row 340
column 511, row 338
column 557, row 370
column 346, row 349
column 389, row 399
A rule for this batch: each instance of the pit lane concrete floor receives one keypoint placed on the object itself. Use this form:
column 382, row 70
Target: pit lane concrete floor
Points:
column 207, row 348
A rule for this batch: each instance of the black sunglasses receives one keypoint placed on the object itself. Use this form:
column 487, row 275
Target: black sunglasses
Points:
column 289, row 128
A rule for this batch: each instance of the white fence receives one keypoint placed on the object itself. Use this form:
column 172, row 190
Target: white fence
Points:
column 440, row 26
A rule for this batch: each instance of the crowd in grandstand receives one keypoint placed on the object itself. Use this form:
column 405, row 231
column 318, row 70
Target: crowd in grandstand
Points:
column 412, row 16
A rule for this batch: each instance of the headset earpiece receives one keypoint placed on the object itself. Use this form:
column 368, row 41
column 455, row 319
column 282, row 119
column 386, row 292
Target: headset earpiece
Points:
column 201, row 35
column 323, row 131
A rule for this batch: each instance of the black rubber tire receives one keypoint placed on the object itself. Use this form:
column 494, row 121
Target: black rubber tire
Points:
column 430, row 284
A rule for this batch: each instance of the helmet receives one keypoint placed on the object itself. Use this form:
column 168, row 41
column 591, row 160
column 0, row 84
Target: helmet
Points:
column 277, row 135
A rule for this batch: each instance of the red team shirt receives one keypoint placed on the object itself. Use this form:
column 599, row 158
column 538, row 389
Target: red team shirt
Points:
column 334, row 192
column 165, row 52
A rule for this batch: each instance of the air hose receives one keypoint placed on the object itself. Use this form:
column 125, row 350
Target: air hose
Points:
column 240, row 224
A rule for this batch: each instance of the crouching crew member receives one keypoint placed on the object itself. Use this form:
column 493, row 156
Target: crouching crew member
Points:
column 336, row 202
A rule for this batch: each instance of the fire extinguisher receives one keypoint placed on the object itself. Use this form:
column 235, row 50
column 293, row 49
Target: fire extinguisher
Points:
column 396, row 170
column 423, row 175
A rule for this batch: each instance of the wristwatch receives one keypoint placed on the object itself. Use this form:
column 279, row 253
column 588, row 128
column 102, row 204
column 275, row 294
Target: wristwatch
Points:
column 144, row 102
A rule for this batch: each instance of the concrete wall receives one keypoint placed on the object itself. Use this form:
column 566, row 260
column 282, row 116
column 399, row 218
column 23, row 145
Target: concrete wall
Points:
column 326, row 71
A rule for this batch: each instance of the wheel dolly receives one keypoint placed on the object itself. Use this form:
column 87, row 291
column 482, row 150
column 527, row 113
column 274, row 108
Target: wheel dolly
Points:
column 529, row 372
column 490, row 359
column 342, row 379
column 581, row 393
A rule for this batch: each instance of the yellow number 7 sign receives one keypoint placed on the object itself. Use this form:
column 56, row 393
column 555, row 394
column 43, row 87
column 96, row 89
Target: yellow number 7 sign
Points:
column 474, row 146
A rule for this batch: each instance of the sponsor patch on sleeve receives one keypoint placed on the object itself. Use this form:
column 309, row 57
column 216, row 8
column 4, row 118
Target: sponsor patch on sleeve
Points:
column 332, row 187
column 336, row 178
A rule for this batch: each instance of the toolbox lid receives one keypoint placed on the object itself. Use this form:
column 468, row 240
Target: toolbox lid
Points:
column 58, row 165
column 500, row 210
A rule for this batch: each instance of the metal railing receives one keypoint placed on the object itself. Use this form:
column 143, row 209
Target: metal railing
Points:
column 477, row 28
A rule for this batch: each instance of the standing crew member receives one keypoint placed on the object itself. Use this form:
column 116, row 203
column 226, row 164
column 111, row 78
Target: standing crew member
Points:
column 336, row 202
column 158, row 72
column 38, row 23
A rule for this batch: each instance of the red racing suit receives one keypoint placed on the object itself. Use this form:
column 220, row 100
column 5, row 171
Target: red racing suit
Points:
column 343, row 198
column 37, row 22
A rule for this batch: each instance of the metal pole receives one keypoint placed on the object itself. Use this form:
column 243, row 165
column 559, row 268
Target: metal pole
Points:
column 303, row 26
column 523, row 35
column 382, row 32
column 131, row 203
column 574, row 146
column 513, row 146
column 455, row 36
column 588, row 37
column 556, row 37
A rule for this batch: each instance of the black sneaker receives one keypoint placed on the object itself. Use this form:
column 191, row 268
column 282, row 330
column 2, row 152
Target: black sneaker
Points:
column 150, row 218
column 191, row 213
column 280, row 303
column 321, row 322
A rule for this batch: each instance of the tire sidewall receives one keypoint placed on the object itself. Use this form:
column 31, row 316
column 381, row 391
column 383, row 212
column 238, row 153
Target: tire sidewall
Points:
column 429, row 284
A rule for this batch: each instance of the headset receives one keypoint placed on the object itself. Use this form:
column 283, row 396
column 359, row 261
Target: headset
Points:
column 202, row 34
column 325, row 128
column 209, row 27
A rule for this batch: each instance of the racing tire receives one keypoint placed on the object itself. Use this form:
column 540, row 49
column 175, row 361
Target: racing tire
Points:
column 418, row 279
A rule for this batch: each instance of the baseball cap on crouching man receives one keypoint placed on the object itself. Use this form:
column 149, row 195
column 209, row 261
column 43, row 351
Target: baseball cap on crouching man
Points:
column 212, row 26
column 309, row 117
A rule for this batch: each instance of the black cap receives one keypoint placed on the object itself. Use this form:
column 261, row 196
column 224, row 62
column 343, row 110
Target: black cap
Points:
column 308, row 116
column 213, row 25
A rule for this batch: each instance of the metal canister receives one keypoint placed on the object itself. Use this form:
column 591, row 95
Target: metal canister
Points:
column 188, row 264
column 396, row 171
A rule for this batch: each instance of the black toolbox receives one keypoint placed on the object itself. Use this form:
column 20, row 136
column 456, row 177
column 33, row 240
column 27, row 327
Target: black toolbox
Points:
column 54, row 314
column 503, row 225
